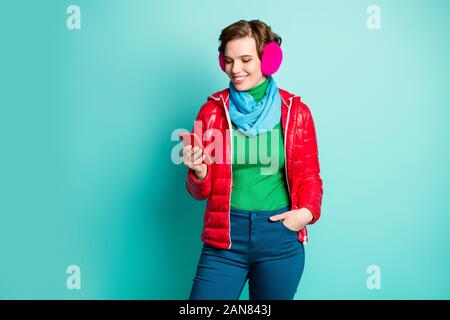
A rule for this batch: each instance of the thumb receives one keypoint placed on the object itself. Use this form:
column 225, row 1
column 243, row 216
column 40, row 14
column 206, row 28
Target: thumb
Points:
column 278, row 216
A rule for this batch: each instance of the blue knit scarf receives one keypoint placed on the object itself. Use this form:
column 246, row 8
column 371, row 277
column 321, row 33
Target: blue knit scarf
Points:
column 253, row 118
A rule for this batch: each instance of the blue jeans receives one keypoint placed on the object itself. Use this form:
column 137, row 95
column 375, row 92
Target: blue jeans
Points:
column 266, row 253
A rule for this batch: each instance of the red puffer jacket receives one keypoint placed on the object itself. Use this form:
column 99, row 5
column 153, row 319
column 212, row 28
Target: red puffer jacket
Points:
column 301, row 164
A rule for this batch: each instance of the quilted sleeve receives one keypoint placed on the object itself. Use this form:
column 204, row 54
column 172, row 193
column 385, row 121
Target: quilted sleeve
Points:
column 199, row 189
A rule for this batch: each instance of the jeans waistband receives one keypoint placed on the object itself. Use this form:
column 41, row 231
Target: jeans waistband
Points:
column 277, row 211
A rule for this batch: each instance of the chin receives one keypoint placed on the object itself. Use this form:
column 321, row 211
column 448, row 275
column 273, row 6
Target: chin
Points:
column 246, row 85
column 241, row 87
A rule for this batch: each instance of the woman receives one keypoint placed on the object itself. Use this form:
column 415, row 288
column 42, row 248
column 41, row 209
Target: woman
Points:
column 257, row 211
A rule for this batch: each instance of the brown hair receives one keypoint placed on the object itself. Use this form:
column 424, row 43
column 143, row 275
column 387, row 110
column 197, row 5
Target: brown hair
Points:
column 258, row 30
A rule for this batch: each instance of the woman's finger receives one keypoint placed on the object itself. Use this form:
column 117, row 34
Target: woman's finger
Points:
column 198, row 151
column 188, row 151
column 186, row 157
column 192, row 158
column 197, row 158
column 185, row 150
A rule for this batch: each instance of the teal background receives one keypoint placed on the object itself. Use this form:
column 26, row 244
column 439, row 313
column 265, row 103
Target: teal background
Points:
column 86, row 176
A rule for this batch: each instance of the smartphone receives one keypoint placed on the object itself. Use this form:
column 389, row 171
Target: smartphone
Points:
column 193, row 140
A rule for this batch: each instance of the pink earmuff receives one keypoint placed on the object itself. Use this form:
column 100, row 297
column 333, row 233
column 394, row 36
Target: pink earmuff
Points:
column 270, row 60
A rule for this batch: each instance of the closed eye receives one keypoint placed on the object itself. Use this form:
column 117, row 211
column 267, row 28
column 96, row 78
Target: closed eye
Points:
column 245, row 61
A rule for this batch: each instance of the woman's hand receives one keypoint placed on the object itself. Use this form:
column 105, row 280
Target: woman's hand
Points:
column 294, row 220
column 193, row 159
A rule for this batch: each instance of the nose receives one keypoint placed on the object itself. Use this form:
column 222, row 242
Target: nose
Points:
column 236, row 67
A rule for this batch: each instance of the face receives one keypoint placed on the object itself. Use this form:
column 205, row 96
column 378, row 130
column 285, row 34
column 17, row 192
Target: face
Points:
column 242, row 64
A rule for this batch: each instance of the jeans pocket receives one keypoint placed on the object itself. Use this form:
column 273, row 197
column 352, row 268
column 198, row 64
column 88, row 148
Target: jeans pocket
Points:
column 286, row 228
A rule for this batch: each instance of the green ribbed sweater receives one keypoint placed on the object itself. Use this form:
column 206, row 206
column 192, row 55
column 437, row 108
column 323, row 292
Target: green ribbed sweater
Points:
column 259, row 179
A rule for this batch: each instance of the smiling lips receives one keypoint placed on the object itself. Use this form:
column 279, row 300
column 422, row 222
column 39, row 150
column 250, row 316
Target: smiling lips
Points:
column 239, row 79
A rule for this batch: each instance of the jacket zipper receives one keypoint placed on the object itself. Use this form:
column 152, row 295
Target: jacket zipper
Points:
column 231, row 166
column 285, row 152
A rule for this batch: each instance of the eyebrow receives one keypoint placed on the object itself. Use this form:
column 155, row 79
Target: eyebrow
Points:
column 245, row 55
